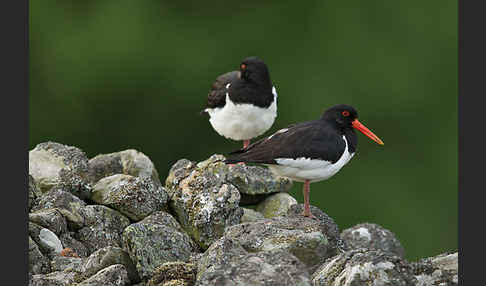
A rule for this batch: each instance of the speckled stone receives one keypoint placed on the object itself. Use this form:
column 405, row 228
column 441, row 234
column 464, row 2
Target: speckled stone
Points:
column 276, row 205
column 438, row 270
column 364, row 267
column 183, row 273
column 54, row 164
column 373, row 236
column 38, row 263
column 135, row 197
column 114, row 275
column 250, row 215
column 150, row 245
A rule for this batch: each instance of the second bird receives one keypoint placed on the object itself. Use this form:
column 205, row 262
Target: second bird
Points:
column 243, row 104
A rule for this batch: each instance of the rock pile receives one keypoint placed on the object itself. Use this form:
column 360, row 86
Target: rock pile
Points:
column 109, row 220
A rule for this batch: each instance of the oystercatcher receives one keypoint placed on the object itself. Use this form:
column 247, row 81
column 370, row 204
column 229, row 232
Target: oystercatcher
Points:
column 310, row 151
column 243, row 104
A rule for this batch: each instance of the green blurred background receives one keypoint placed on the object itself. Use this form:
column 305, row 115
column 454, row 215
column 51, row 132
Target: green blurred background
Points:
column 106, row 76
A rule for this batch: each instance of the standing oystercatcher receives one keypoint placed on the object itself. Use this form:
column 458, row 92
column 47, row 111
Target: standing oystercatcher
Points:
column 309, row 151
column 243, row 104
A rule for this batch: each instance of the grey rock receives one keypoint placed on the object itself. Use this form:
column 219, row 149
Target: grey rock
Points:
column 108, row 256
column 276, row 205
column 53, row 164
column 51, row 219
column 57, row 278
column 202, row 200
column 63, row 263
column 254, row 182
column 70, row 206
column 250, row 215
column 134, row 197
column 38, row 263
column 438, row 270
column 34, row 232
column 34, row 193
column 274, row 267
column 176, row 272
column 364, row 267
column 114, row 275
column 68, row 241
column 128, row 162
column 373, row 236
column 103, row 227
column 49, row 240
column 311, row 241
column 163, row 218
column 150, row 245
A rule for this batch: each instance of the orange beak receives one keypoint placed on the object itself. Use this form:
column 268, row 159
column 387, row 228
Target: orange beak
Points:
column 366, row 131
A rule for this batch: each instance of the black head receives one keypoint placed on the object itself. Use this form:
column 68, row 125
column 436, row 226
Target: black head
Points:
column 253, row 69
column 341, row 115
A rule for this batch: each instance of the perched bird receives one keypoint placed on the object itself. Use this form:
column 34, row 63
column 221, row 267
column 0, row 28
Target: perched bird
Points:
column 310, row 151
column 243, row 104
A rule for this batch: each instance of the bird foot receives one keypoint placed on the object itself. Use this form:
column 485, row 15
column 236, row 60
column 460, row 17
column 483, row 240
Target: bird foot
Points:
column 309, row 215
column 239, row 163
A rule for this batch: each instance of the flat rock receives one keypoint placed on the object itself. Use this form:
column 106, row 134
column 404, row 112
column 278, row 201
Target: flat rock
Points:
column 150, row 245
column 373, row 236
column 173, row 272
column 364, row 267
column 114, row 275
column 135, row 197
column 63, row 263
column 51, row 219
column 70, row 206
column 274, row 267
column 128, row 162
column 103, row 227
column 53, row 164
column 438, row 270
column 250, row 215
column 202, row 201
column 57, row 278
column 163, row 218
column 276, row 205
column 38, row 263
column 108, row 256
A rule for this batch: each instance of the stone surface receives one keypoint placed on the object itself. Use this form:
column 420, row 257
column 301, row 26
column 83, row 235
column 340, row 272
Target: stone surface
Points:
column 51, row 219
column 50, row 240
column 173, row 272
column 128, row 162
column 373, row 236
column 114, row 275
column 62, row 263
column 305, row 238
column 439, row 270
column 108, row 256
column 70, row 206
column 201, row 199
column 134, row 197
column 250, row 215
column 53, row 164
column 276, row 205
column 150, row 245
column 68, row 241
column 163, row 218
column 57, row 278
column 34, row 193
column 103, row 227
column 364, row 267
column 274, row 267
column 38, row 263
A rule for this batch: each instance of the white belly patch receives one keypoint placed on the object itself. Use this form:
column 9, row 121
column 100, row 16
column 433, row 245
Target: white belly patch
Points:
column 315, row 170
column 242, row 121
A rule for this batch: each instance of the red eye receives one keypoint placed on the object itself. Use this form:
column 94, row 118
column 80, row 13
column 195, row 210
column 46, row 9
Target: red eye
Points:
column 345, row 113
column 243, row 66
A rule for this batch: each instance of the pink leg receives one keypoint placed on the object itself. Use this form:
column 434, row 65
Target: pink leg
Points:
column 306, row 191
column 246, row 143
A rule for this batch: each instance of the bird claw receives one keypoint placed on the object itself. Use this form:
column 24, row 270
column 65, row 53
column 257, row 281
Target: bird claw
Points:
column 309, row 215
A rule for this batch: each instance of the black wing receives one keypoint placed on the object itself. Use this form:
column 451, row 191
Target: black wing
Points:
column 217, row 93
column 310, row 139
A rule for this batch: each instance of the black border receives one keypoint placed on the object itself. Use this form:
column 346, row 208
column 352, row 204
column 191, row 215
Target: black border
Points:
column 14, row 23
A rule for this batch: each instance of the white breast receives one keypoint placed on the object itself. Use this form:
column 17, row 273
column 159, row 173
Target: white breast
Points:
column 242, row 121
column 315, row 170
